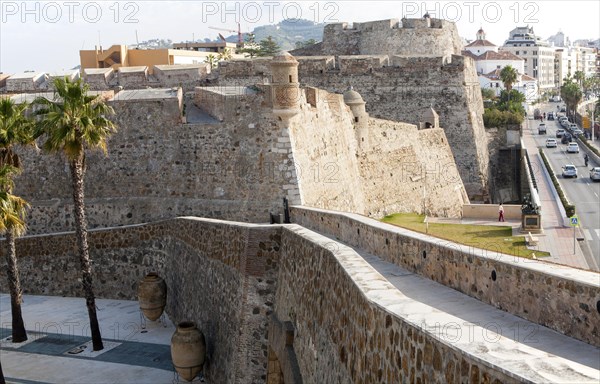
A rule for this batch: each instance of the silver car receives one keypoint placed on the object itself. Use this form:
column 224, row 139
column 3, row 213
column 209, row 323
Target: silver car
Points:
column 595, row 174
column 569, row 171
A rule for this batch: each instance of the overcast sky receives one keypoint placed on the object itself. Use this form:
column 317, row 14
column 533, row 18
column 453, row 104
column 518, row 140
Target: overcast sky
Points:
column 47, row 35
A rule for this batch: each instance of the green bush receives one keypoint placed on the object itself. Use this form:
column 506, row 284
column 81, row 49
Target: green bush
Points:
column 569, row 208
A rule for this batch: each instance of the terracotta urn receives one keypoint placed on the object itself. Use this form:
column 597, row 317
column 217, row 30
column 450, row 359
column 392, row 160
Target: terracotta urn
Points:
column 152, row 296
column 188, row 350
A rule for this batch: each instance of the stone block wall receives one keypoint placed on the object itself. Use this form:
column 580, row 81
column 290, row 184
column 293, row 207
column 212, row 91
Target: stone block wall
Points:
column 221, row 275
column 133, row 77
column 232, row 278
column 561, row 298
column 344, row 335
column 157, row 168
column 401, row 93
column 390, row 37
column 186, row 76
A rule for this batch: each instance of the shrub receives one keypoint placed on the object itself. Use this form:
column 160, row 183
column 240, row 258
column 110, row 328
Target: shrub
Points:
column 569, row 208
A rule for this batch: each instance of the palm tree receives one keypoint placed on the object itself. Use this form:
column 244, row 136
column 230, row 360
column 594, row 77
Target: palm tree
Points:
column 2, row 380
column 571, row 94
column 508, row 75
column 15, row 129
column 579, row 76
column 73, row 122
column 12, row 223
column 225, row 55
column 212, row 60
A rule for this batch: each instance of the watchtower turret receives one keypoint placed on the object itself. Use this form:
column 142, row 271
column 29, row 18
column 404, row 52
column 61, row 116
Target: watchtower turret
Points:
column 285, row 87
column 356, row 103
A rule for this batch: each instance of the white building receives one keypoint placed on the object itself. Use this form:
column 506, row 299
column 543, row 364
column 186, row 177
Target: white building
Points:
column 569, row 60
column 487, row 58
column 537, row 54
column 489, row 62
column 525, row 84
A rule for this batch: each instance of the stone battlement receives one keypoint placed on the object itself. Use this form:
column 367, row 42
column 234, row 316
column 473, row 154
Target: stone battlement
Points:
column 382, row 25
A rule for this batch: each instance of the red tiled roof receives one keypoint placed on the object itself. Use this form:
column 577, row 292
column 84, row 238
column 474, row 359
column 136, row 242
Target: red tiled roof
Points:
column 491, row 55
column 481, row 43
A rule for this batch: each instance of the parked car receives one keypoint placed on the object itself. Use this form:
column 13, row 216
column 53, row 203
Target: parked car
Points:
column 572, row 126
column 566, row 138
column 577, row 132
column 560, row 132
column 564, row 123
column 551, row 116
column 551, row 143
column 573, row 148
column 563, row 109
column 595, row 174
column 569, row 171
column 542, row 129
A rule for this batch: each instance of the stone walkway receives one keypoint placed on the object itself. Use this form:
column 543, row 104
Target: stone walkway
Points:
column 58, row 326
column 524, row 350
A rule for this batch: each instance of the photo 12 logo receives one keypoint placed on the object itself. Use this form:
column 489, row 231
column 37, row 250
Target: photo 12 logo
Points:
column 269, row 11
column 473, row 11
column 68, row 11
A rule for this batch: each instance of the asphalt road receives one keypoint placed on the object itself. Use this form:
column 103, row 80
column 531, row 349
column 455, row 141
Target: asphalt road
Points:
column 581, row 191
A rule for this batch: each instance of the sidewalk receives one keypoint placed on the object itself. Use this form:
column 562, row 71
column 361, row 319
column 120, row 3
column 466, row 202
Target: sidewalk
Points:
column 57, row 327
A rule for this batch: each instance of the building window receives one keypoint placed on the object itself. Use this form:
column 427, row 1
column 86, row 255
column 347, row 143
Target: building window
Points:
column 497, row 67
column 524, row 52
column 516, row 53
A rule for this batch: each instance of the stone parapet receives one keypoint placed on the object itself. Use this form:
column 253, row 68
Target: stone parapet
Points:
column 562, row 298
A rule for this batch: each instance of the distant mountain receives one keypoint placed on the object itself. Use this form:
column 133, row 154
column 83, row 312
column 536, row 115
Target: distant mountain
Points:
column 287, row 32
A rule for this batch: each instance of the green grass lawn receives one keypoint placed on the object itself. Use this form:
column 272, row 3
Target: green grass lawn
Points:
column 491, row 237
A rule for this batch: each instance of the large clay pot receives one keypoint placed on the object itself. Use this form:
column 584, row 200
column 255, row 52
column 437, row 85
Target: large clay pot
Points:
column 188, row 350
column 152, row 296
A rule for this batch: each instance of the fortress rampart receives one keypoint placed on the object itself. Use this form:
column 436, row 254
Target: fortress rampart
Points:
column 399, row 88
column 348, row 316
column 238, row 162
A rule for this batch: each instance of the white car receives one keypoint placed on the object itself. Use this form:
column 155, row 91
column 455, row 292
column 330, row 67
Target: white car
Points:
column 573, row 148
column 595, row 174
column 551, row 143
column 569, row 171
column 542, row 129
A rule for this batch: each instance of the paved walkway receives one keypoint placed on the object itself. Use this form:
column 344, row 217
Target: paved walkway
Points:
column 57, row 327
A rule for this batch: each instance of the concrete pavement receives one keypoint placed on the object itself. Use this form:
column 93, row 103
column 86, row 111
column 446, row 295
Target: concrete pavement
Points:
column 57, row 326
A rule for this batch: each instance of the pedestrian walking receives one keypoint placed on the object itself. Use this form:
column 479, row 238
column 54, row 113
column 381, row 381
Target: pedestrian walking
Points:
column 500, row 213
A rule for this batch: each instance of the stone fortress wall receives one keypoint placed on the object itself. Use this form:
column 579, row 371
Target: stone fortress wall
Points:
column 238, row 161
column 240, row 282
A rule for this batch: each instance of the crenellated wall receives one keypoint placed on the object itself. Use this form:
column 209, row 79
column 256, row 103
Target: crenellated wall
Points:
column 400, row 89
column 241, row 162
